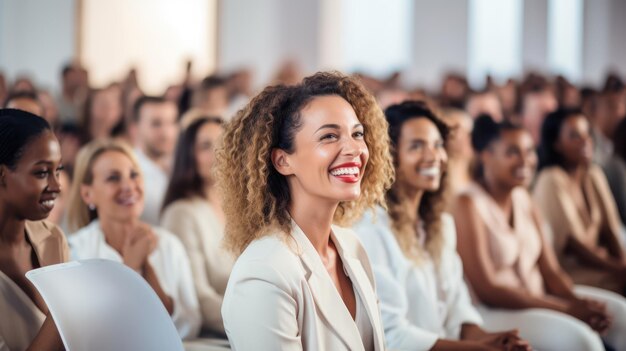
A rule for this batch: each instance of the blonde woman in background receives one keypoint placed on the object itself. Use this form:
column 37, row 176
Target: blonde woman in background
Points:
column 295, row 163
column 106, row 201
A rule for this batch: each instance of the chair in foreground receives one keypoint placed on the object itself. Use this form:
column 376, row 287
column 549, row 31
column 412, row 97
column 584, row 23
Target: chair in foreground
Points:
column 103, row 305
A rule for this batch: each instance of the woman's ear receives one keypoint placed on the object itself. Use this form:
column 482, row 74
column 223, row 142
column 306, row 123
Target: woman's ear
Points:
column 86, row 194
column 280, row 160
column 3, row 171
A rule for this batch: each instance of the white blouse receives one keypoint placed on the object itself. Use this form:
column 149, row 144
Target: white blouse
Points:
column 419, row 304
column 170, row 264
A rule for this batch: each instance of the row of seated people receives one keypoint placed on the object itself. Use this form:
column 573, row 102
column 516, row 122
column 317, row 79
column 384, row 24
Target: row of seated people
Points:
column 298, row 159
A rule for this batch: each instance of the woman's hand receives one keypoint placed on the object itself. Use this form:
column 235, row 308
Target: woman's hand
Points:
column 139, row 244
column 505, row 341
column 591, row 312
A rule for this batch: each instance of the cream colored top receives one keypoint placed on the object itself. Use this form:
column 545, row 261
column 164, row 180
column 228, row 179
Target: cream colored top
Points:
column 552, row 195
column 514, row 247
column 20, row 318
column 194, row 222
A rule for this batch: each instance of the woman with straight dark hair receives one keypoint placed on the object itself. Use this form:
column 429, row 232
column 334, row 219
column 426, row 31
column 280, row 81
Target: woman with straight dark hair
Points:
column 30, row 162
column 192, row 210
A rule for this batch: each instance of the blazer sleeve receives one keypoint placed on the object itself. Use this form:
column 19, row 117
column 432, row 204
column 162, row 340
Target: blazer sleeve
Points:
column 460, row 307
column 260, row 308
column 610, row 217
column 400, row 334
column 179, row 221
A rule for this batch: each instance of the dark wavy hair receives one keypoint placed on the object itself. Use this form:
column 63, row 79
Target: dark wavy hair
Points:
column 17, row 129
column 550, row 130
column 186, row 181
column 432, row 204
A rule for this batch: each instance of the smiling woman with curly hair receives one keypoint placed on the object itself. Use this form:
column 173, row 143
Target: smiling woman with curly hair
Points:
column 296, row 162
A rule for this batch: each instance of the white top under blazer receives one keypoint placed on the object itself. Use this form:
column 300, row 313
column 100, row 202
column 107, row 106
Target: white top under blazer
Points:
column 420, row 303
column 281, row 297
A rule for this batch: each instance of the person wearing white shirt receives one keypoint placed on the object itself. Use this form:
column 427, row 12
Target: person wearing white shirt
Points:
column 425, row 303
column 293, row 163
column 106, row 200
column 155, row 129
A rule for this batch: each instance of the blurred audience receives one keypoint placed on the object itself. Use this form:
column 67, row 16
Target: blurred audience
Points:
column 509, row 262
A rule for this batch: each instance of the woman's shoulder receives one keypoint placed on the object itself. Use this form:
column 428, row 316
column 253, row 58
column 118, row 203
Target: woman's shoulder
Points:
column 271, row 259
column 85, row 234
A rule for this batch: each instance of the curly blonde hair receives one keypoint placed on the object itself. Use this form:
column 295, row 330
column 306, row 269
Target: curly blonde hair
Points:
column 432, row 204
column 256, row 197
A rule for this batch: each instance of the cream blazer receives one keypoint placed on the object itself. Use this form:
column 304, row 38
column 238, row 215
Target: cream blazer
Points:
column 20, row 318
column 280, row 296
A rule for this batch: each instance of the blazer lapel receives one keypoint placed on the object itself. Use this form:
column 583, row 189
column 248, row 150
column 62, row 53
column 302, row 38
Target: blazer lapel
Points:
column 327, row 298
column 45, row 245
column 364, row 288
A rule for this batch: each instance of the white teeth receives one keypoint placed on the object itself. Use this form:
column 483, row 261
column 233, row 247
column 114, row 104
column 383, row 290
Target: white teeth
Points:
column 48, row 203
column 345, row 170
column 432, row 171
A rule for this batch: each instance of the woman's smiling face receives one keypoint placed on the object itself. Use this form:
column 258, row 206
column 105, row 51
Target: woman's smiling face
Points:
column 330, row 154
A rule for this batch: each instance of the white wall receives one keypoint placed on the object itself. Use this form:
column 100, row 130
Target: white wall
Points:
column 36, row 39
column 264, row 34
column 535, row 36
column 439, row 41
column 157, row 36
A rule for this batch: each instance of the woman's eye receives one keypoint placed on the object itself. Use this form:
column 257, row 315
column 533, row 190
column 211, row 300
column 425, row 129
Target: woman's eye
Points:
column 113, row 178
column 134, row 175
column 358, row 135
column 439, row 145
column 41, row 174
column 329, row 137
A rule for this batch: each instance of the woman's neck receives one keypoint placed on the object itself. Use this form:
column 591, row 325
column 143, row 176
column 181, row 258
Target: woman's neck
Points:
column 500, row 193
column 576, row 173
column 314, row 216
column 11, row 229
column 115, row 232
column 413, row 199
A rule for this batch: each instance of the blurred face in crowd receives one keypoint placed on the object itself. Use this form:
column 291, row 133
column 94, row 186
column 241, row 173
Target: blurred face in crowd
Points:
column 51, row 112
column 511, row 160
column 33, row 186
column 106, row 110
column 157, row 128
column 27, row 104
column 206, row 140
column 422, row 156
column 116, row 189
column 213, row 101
column 574, row 142
column 330, row 154
column 486, row 103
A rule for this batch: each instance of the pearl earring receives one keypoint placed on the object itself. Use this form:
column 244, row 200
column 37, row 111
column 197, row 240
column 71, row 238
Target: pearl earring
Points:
column 92, row 207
